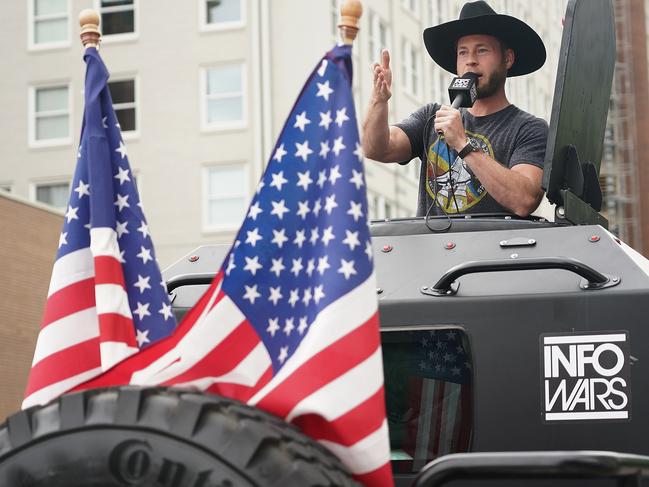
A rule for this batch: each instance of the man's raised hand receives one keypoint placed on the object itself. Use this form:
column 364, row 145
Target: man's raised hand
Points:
column 383, row 78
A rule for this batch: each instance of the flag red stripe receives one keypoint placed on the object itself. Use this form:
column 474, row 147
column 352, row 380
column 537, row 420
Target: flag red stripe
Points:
column 224, row 357
column 325, row 366
column 380, row 476
column 64, row 364
column 108, row 270
column 466, row 426
column 439, row 402
column 241, row 392
column 351, row 427
column 69, row 300
column 121, row 374
column 114, row 327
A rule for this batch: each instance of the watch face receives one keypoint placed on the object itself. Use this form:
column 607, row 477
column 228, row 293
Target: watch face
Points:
column 474, row 143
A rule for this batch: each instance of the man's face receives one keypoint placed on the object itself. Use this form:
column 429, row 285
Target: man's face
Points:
column 483, row 55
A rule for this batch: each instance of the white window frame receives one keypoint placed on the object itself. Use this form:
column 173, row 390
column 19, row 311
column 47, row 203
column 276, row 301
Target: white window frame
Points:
column 334, row 13
column 31, row 21
column 207, row 227
column 33, row 185
column 31, row 111
column 130, row 134
column 126, row 36
column 414, row 10
column 411, row 60
column 230, row 125
column 375, row 21
column 203, row 26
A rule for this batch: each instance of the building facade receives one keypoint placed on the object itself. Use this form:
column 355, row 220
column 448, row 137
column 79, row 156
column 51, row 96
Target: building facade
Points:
column 26, row 261
column 625, row 164
column 202, row 91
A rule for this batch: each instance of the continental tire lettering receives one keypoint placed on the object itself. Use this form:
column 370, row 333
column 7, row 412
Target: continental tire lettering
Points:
column 171, row 473
column 131, row 462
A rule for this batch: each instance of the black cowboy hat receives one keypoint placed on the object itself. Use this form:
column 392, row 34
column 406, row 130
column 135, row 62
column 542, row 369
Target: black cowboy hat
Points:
column 480, row 18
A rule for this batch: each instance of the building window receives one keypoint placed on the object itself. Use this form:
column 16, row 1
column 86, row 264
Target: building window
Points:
column 6, row 187
column 387, row 211
column 225, row 189
column 124, row 103
column 379, row 36
column 335, row 20
column 49, row 23
column 428, row 381
column 117, row 17
column 224, row 100
column 50, row 114
column 53, row 194
column 220, row 14
column 411, row 70
column 411, row 5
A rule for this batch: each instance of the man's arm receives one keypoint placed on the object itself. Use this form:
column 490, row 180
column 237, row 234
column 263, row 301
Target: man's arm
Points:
column 518, row 189
column 380, row 141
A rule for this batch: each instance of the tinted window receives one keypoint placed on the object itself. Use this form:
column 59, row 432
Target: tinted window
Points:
column 428, row 377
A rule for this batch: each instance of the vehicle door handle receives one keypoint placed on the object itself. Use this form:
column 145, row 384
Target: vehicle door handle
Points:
column 592, row 279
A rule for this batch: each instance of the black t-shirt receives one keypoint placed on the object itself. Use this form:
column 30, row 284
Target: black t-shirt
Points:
column 510, row 136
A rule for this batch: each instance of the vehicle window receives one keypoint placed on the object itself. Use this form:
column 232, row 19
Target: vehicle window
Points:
column 428, row 387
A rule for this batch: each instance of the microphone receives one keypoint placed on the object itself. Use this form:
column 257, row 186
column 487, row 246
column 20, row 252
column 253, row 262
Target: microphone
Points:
column 462, row 92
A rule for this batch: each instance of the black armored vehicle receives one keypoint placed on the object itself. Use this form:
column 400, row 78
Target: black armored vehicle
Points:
column 513, row 348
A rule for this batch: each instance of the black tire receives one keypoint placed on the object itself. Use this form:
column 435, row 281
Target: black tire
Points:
column 159, row 438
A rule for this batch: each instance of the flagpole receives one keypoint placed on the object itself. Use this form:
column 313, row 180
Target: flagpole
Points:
column 89, row 22
column 350, row 14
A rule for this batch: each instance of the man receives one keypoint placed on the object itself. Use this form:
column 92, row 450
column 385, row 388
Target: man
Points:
column 487, row 159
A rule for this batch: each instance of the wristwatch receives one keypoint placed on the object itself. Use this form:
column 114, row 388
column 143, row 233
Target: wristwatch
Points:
column 472, row 146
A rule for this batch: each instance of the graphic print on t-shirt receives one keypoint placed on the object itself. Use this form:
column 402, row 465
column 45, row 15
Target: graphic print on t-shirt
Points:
column 453, row 184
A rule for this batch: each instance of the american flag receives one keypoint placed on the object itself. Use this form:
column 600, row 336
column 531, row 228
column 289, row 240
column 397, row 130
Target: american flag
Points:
column 290, row 322
column 106, row 298
column 429, row 376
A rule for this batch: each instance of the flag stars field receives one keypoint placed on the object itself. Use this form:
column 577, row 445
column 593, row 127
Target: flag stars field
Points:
column 304, row 180
column 142, row 310
column 122, row 175
column 120, row 228
column 278, row 156
column 71, row 214
column 122, row 202
column 253, row 237
column 121, row 149
column 82, row 189
column 142, row 337
column 142, row 283
column 325, row 119
column 254, row 211
column 165, row 311
column 145, row 254
column 301, row 121
column 324, row 90
column 273, row 326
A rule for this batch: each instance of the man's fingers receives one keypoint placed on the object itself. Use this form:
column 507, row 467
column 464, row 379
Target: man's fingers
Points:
column 385, row 57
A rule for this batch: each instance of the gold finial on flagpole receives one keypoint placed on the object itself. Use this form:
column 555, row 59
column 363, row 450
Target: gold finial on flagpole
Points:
column 350, row 14
column 89, row 22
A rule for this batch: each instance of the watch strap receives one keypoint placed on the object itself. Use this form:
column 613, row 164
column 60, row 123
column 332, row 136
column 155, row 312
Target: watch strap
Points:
column 467, row 149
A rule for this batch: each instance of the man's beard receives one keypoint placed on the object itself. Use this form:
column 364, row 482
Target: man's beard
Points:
column 493, row 83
